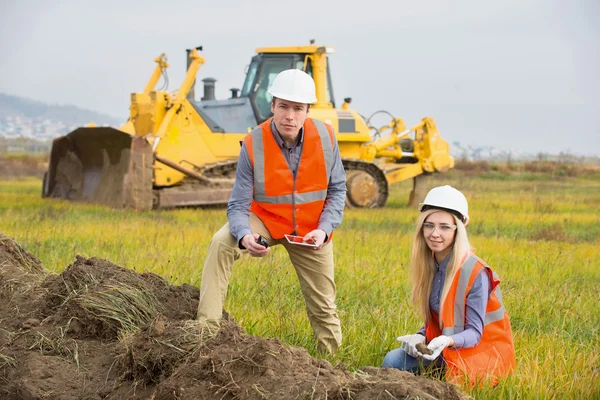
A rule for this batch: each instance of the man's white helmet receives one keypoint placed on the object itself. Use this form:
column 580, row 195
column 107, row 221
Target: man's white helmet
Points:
column 448, row 199
column 294, row 85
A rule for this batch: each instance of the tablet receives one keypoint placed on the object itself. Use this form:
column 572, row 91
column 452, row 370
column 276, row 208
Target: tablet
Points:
column 300, row 240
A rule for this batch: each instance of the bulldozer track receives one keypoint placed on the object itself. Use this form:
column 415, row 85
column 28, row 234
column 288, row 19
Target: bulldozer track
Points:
column 374, row 171
column 223, row 169
column 220, row 169
column 193, row 192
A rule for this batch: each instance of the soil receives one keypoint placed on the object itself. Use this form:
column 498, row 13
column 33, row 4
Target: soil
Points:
column 422, row 347
column 54, row 345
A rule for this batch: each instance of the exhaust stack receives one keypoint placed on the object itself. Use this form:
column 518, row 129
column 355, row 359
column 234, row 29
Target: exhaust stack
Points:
column 209, row 88
column 192, row 93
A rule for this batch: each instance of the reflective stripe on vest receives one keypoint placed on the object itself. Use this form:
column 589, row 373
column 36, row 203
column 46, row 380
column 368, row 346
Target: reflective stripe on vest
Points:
column 461, row 295
column 260, row 194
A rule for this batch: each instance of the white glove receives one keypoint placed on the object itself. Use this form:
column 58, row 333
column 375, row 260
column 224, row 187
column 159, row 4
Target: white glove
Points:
column 409, row 342
column 436, row 345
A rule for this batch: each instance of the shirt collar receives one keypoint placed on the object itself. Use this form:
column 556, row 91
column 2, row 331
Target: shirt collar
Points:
column 442, row 266
column 279, row 139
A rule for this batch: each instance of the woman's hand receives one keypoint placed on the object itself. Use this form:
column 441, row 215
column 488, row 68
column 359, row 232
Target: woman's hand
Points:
column 409, row 343
column 436, row 346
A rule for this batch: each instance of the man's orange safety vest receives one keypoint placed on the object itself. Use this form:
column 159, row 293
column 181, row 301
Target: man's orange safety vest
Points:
column 284, row 203
column 494, row 356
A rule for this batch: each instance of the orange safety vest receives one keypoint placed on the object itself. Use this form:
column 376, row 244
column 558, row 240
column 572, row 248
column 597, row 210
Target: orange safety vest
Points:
column 288, row 205
column 494, row 356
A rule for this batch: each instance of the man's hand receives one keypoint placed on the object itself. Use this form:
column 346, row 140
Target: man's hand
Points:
column 436, row 346
column 409, row 342
column 255, row 249
column 317, row 237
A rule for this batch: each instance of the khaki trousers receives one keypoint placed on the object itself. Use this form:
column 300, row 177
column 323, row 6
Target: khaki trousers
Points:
column 314, row 269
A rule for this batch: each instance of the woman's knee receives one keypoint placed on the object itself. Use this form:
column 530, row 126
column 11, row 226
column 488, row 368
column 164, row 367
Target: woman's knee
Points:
column 395, row 359
column 399, row 359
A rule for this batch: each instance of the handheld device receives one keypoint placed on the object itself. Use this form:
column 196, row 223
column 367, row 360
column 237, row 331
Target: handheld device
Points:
column 262, row 241
column 300, row 240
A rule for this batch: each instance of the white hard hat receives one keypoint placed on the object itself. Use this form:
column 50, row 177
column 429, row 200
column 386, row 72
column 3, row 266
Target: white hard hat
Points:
column 294, row 85
column 448, row 199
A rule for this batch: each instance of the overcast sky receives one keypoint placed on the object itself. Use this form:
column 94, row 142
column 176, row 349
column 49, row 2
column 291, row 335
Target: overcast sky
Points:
column 517, row 75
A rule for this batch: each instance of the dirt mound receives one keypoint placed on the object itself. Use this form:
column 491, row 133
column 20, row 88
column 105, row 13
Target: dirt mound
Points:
column 12, row 254
column 234, row 365
column 20, row 276
column 99, row 299
column 99, row 331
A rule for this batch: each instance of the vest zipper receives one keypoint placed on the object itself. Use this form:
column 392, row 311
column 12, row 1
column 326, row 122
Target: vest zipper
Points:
column 295, row 175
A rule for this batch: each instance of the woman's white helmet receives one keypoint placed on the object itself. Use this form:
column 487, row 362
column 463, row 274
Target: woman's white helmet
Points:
column 448, row 199
column 294, row 85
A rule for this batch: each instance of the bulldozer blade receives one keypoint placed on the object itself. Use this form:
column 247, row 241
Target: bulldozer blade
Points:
column 103, row 166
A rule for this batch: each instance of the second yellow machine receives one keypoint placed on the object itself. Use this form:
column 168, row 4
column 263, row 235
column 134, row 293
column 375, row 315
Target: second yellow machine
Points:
column 176, row 151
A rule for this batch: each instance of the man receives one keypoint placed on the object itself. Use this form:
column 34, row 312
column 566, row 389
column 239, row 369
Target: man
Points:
column 289, row 180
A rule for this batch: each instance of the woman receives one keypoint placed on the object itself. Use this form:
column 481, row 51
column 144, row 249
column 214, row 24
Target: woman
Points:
column 467, row 329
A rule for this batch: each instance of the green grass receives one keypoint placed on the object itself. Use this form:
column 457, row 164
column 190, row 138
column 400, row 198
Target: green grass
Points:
column 542, row 236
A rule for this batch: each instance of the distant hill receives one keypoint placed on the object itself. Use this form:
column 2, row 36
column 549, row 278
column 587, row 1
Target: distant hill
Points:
column 68, row 114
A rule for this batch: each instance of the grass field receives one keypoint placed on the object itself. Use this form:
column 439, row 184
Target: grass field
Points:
column 539, row 232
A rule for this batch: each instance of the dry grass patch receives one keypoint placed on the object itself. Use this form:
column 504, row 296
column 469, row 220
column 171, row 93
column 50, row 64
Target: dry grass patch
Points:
column 23, row 165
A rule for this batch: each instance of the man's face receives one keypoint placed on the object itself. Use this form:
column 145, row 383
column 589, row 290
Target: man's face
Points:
column 289, row 117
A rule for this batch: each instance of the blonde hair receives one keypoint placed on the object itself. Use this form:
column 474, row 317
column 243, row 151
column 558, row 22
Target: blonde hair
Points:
column 422, row 267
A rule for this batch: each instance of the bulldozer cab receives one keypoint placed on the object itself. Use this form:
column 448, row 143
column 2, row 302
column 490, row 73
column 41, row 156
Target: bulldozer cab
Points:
column 262, row 71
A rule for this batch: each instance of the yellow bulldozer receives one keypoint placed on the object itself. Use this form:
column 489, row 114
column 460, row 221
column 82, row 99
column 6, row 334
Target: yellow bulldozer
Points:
column 175, row 151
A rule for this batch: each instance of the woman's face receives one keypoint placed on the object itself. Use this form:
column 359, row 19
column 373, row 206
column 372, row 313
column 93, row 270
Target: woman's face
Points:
column 439, row 230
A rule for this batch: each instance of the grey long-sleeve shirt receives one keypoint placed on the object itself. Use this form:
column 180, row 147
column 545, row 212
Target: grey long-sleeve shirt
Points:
column 477, row 299
column 238, row 208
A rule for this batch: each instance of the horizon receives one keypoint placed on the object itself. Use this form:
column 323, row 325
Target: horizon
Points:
column 470, row 150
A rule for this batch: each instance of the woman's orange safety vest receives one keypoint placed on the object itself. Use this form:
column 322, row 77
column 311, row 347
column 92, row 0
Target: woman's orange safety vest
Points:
column 284, row 203
column 494, row 356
